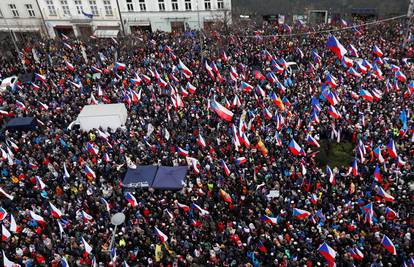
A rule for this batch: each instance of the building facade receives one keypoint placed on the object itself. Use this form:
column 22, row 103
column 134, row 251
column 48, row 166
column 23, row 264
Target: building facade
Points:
column 318, row 11
column 174, row 15
column 81, row 18
column 19, row 18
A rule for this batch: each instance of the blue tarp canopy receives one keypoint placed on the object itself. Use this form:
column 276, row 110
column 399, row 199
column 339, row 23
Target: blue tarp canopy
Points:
column 142, row 176
column 170, row 178
column 22, row 124
column 157, row 177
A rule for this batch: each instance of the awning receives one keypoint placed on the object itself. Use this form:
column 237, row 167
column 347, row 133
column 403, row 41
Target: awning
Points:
column 106, row 33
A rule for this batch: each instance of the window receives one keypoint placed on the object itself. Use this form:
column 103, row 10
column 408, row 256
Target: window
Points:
column 14, row 10
column 94, row 8
column 30, row 10
column 220, row 4
column 142, row 6
column 161, row 5
column 187, row 4
column 65, row 7
column 79, row 8
column 207, row 4
column 108, row 7
column 174, row 5
column 51, row 7
column 130, row 5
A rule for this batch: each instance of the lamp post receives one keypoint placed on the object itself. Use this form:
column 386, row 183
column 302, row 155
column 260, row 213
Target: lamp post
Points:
column 199, row 30
column 116, row 219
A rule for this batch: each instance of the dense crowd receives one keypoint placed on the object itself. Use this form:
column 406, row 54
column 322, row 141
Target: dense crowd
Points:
column 256, row 193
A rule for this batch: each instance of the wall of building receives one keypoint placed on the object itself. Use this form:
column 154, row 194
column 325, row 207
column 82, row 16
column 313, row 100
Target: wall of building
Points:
column 161, row 20
column 57, row 19
column 24, row 21
column 291, row 7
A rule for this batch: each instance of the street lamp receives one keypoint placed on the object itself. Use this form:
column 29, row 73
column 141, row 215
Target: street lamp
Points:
column 116, row 219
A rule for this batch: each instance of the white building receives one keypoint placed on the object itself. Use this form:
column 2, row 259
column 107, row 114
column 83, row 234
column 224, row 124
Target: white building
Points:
column 173, row 15
column 80, row 17
column 19, row 17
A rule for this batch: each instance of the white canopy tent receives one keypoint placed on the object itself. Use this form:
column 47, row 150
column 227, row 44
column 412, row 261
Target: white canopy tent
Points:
column 104, row 115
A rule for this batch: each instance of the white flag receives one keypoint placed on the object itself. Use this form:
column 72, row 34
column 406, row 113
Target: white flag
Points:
column 66, row 174
column 60, row 229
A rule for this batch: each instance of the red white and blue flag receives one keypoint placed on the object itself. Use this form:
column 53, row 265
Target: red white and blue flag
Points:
column 388, row 245
column 131, row 199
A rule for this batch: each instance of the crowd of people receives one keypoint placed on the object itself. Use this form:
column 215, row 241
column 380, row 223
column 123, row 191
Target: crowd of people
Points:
column 248, row 126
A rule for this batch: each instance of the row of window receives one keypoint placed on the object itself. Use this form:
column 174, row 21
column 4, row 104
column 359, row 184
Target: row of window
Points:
column 15, row 12
column 79, row 8
column 174, row 5
column 107, row 5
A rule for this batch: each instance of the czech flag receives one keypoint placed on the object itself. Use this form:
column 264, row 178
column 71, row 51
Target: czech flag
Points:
column 246, row 87
column 68, row 46
column 185, row 208
column 96, row 70
column 209, row 71
column 390, row 214
column 271, row 77
column 300, row 214
column 331, row 176
column 295, row 148
column 182, row 152
column 330, row 97
column 259, row 76
column 7, row 262
column 225, row 168
column 191, row 88
column 400, row 76
column 366, row 64
column 354, row 73
column 336, row 47
column 69, row 65
column 241, row 160
column 392, row 151
column 119, row 66
column 356, row 254
column 201, row 210
column 221, row 111
column 377, row 174
column 20, row 105
column 39, row 77
column 331, row 81
column 55, row 211
column 146, row 78
column 312, row 141
column 261, row 247
column 40, row 183
column 361, row 68
column 267, row 219
column 184, row 68
column 333, row 112
column 355, row 168
column 89, row 172
column 86, row 216
column 377, row 153
column 387, row 197
column 347, row 62
column 314, row 198
column 388, row 245
column 353, row 52
column 377, row 51
column 377, row 71
column 39, row 219
column 3, row 213
column 201, row 142
column 131, row 199
column 93, row 149
column 160, row 235
column 327, row 252
column 5, row 234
